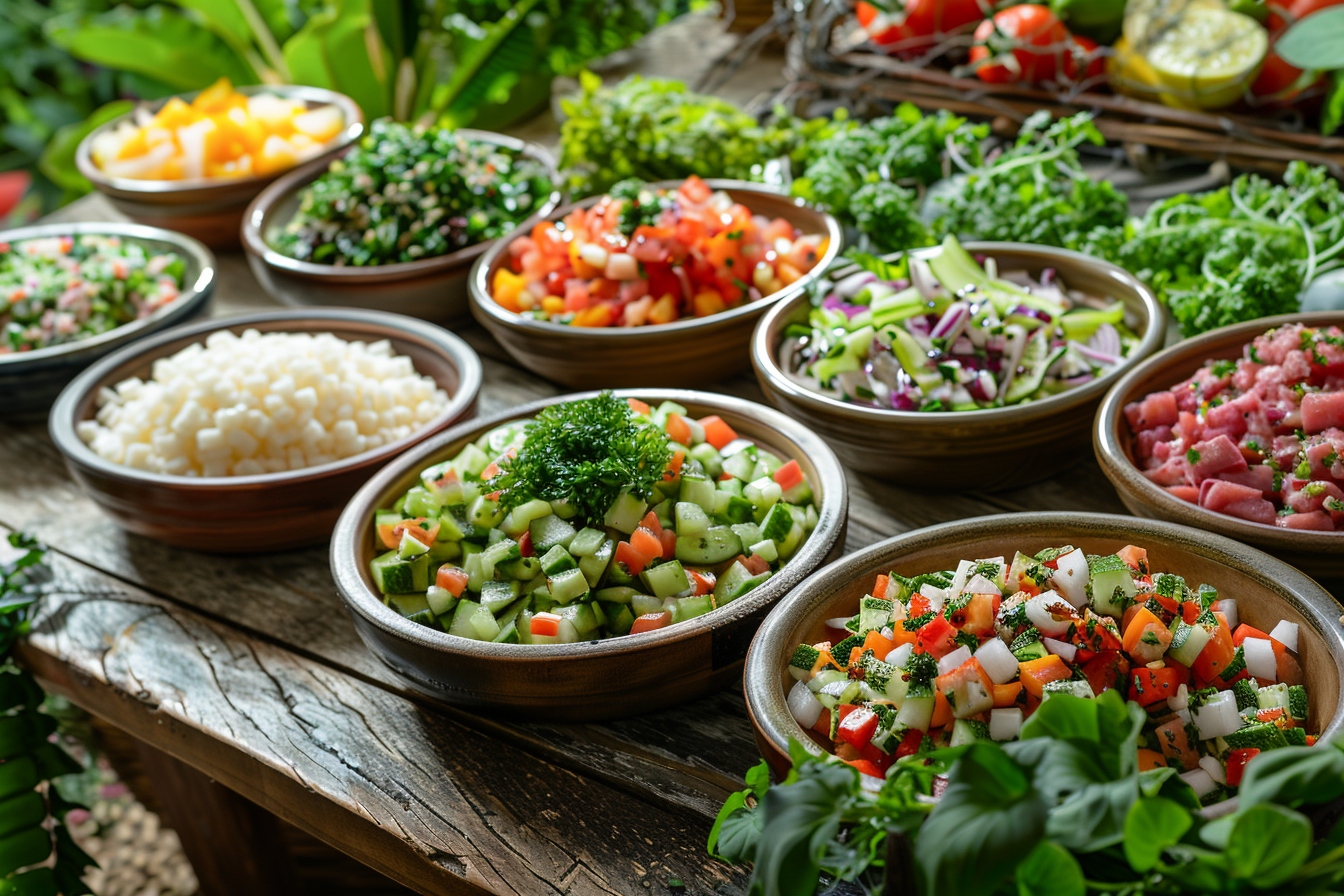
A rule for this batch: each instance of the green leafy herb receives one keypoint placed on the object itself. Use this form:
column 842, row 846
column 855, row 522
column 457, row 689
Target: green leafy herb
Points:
column 586, row 452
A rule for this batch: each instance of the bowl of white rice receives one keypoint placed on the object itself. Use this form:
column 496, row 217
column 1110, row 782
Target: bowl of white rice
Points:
column 251, row 433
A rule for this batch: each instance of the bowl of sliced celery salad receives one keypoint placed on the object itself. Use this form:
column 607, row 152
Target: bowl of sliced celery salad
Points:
column 961, row 631
column 588, row 556
column 985, row 361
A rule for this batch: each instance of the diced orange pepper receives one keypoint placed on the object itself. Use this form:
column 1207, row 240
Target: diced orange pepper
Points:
column 901, row 636
column 1005, row 695
column 602, row 315
column 717, row 433
column 1151, row 759
column 880, row 586
column 678, row 430
column 708, row 302
column 1137, row 626
column 1036, row 674
column 508, row 286
column 942, row 711
column 878, row 643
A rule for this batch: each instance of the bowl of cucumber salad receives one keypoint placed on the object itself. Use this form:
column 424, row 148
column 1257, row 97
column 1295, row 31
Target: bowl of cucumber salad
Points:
column 588, row 556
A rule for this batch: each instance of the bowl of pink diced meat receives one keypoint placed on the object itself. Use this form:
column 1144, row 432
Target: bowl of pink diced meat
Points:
column 1239, row 431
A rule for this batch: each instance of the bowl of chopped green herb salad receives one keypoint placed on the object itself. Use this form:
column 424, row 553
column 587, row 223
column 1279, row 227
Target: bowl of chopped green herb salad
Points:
column 72, row 293
column 588, row 556
column 397, row 221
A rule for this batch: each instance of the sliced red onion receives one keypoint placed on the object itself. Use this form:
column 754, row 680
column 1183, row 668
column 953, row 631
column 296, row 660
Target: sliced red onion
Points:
column 905, row 399
column 1017, row 346
column 1048, row 276
column 1106, row 341
column 921, row 276
column 952, row 322
column 916, row 326
column 852, row 285
column 833, row 302
column 1099, row 357
column 983, row 387
column 1079, row 380
column 963, row 346
column 686, row 289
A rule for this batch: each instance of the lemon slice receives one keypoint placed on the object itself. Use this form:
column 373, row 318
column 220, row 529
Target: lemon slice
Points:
column 1207, row 58
column 1129, row 72
column 1146, row 19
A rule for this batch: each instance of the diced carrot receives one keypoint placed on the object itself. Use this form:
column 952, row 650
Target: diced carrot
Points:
column 942, row 711
column 451, row 579
column 824, row 660
column 1151, row 759
column 1006, row 694
column 823, row 725
column 652, row 523
column 880, row 587
column 669, row 540
column 717, row 433
column 789, row 476
column 639, row 407
column 634, row 561
column 900, row 636
column 878, row 643
column 1036, row 674
column 1137, row 626
column 674, row 465
column 1135, row 557
column 678, row 430
column 548, row 624
column 647, row 544
column 703, row 581
column 1175, row 745
column 650, row 621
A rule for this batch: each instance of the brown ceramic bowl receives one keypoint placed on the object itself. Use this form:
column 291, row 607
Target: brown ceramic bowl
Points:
column 431, row 288
column 691, row 352
column 596, row 679
column 271, row 511
column 30, row 381
column 1266, row 591
column 1318, row 553
column 209, row 209
column 960, row 450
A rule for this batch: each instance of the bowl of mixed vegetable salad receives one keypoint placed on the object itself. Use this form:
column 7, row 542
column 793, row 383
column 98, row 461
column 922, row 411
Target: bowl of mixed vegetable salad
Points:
column 192, row 163
column 974, row 366
column 677, row 271
column 397, row 220
column 587, row 556
column 71, row 293
column 959, row 632
column 1239, row 431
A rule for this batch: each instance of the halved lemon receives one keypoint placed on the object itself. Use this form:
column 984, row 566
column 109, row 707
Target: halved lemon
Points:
column 1207, row 58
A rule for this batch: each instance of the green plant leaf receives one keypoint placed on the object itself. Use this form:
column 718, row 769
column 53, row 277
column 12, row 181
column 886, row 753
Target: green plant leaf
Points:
column 800, row 821
column 736, row 830
column 157, row 42
column 1332, row 112
column 341, row 49
column 1315, row 41
column 1293, row 776
column 1268, row 844
column 1050, row 870
column 986, row 820
column 1151, row 826
column 37, row 882
column 58, row 158
column 488, row 61
column 222, row 17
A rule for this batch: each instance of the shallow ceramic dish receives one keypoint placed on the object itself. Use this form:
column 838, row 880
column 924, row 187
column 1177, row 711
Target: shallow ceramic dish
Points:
column 959, row 450
column 209, row 209
column 690, row 352
column 431, row 288
column 1266, row 591
column 1318, row 553
column 271, row 511
column 30, row 381
column 596, row 679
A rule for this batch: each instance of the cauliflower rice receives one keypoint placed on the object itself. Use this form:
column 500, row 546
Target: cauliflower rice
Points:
column 241, row 405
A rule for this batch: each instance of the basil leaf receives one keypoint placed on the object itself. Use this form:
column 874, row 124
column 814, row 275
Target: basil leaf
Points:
column 1315, row 41
column 799, row 823
column 986, row 820
column 1151, row 826
column 736, row 830
column 1107, row 725
column 1294, row 776
column 1268, row 844
column 1093, row 817
column 1198, row 869
column 1165, row 781
column 1050, row 870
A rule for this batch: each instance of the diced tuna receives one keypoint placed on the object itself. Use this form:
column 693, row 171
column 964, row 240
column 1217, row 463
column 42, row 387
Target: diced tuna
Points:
column 1317, row 520
column 1258, row 477
column 1236, row 500
column 1185, row 492
column 1173, row 472
column 1322, row 411
column 1158, row 409
column 1215, row 456
column 1237, row 416
column 1313, row 496
column 1146, row 439
column 1324, row 458
column 1188, row 428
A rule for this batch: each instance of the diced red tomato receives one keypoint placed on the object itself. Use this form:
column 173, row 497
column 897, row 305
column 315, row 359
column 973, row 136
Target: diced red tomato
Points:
column 1106, row 670
column 789, row 475
column 548, row 624
column 647, row 544
column 639, row 407
column 525, row 545
column 910, row 743
column 678, row 430
column 717, row 432
column 451, row 579
column 703, row 581
column 867, row 767
column 937, row 636
column 652, row 523
column 650, row 622
column 1236, row 764
column 634, row 561
column 756, row 564
column 1148, row 686
column 1021, row 43
column 858, row 727
column 669, row 542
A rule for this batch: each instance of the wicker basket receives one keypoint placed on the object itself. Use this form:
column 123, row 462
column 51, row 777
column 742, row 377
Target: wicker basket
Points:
column 820, row 60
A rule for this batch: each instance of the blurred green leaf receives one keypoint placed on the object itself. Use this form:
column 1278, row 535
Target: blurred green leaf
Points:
column 57, row 162
column 222, row 17
column 341, row 49
column 1315, row 41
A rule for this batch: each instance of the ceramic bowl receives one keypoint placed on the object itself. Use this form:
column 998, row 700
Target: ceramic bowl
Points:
column 209, row 209
column 30, row 381
column 271, row 511
column 690, row 352
column 597, row 679
column 960, row 450
column 1266, row 591
column 431, row 288
column 1318, row 553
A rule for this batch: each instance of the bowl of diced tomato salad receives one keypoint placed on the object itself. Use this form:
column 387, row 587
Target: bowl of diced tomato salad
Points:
column 549, row 611
column 1239, row 431
column 652, row 285
column 1224, row 648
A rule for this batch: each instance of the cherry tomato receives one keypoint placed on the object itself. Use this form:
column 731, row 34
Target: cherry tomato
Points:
column 1084, row 60
column 919, row 23
column 1278, row 81
column 1021, row 43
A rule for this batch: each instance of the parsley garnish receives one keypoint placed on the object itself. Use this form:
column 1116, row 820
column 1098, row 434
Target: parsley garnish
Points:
column 1192, row 456
column 915, row 623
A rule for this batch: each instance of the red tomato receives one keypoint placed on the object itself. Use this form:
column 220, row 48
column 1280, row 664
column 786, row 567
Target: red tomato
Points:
column 858, row 727
column 646, row 623
column 920, row 23
column 1021, row 43
column 1278, row 81
column 1084, row 60
column 13, row 184
column 1236, row 764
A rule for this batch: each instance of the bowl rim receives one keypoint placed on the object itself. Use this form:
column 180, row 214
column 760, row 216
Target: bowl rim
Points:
column 196, row 255
column 259, row 212
column 1113, row 456
column 350, row 132
column 459, row 354
column 359, row 599
column 778, row 384
column 761, row 676
column 483, row 304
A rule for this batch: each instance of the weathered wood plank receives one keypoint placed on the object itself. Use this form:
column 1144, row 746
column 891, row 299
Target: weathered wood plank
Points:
column 408, row 790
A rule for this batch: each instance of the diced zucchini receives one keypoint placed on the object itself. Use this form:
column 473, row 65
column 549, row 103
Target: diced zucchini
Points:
column 666, row 579
column 1246, row 693
column 874, row 614
column 567, row 586
column 586, row 542
column 549, row 531
column 715, row 545
column 594, row 566
column 1261, row 736
column 557, row 560
column 625, row 513
column 1187, row 642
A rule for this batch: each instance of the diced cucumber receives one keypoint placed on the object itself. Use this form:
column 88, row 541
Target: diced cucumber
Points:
column 524, row 569
column 471, row 460
column 777, row 523
column 495, row 596
column 440, row 551
column 965, row 731
column 424, row 617
column 484, row 513
column 691, row 519
column 1187, row 642
column 1067, row 686
column 799, row 495
column 452, row 527
column 874, row 614
column 382, row 519
column 557, row 560
column 567, row 585
column 619, row 621
column 699, row 491
column 409, row 604
column 625, row 513
column 733, row 508
column 715, row 545
column 730, row 580
column 503, row 551
column 666, row 579
column 393, row 575
column 1297, row 702
column 620, row 594
column 742, row 588
column 916, row 712
column 763, row 492
column 586, row 542
column 440, row 600
column 463, row 624
column 563, row 509
column 708, row 457
column 411, row 547
column 1273, row 696
column 668, row 407
column 766, row 549
column 791, row 541
column 419, row 502
column 689, row 607
column 740, row 466
column 748, row 533
column 581, row 616
column 549, row 531
column 475, row 571
column 1112, row 585
column 594, row 566
column 730, row 486
column 519, row 519
column 643, row 604
column 666, row 513
column 508, row 633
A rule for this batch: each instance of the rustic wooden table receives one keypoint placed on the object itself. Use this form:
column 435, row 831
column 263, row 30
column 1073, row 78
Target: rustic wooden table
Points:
column 244, row 678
